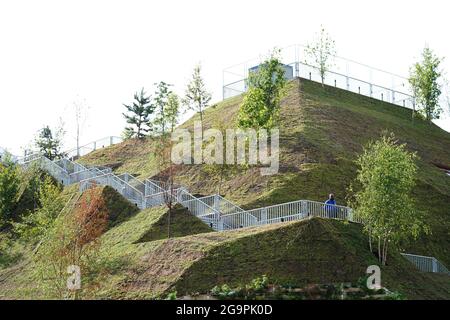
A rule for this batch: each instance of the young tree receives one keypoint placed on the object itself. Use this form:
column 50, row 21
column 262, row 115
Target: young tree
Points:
column 172, row 111
column 197, row 97
column 139, row 115
column 387, row 173
column 80, row 109
column 320, row 51
column 168, row 171
column 261, row 105
column 161, row 102
column 221, row 171
column 74, row 240
column 425, row 81
column 9, row 190
column 49, row 143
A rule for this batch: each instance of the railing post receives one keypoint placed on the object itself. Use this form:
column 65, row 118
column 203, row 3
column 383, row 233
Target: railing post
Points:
column 110, row 140
column 350, row 214
column 216, row 203
column 434, row 264
column 220, row 225
column 347, row 79
column 264, row 216
column 216, row 207
column 304, row 208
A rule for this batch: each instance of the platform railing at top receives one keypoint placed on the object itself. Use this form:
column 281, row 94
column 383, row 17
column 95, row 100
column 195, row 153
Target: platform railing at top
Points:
column 426, row 264
column 344, row 74
column 337, row 80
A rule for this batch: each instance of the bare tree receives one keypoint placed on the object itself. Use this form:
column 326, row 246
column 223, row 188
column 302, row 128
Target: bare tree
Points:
column 320, row 52
column 168, row 171
column 81, row 113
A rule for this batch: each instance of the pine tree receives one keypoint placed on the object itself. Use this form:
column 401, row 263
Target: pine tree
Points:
column 50, row 144
column 139, row 115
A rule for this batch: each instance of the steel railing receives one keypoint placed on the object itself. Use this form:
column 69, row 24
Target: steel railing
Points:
column 344, row 74
column 426, row 264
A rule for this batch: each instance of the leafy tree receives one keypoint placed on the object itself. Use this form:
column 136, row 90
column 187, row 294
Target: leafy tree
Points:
column 320, row 51
column 50, row 202
column 73, row 240
column 49, row 143
column 161, row 102
column 139, row 115
column 387, row 176
column 172, row 111
column 220, row 171
column 261, row 105
column 424, row 79
column 9, row 190
column 197, row 97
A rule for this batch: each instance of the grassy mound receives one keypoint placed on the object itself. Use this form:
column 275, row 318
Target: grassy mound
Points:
column 299, row 253
column 322, row 130
column 119, row 208
column 182, row 223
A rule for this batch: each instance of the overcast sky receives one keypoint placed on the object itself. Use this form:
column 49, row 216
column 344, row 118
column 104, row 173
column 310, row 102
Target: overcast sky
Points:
column 55, row 52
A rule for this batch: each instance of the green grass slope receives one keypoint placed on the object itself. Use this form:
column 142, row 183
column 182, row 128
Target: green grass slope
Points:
column 322, row 130
column 298, row 253
column 122, row 247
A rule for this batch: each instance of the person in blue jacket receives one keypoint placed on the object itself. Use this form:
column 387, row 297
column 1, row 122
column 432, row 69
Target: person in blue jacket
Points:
column 330, row 206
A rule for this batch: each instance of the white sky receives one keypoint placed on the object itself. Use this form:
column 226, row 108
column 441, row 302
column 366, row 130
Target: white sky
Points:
column 52, row 52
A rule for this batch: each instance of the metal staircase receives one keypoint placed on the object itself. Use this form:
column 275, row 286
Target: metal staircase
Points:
column 214, row 210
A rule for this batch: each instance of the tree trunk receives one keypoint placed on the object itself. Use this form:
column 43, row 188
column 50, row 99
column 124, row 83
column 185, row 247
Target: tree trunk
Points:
column 379, row 251
column 385, row 246
column 201, row 122
column 168, row 223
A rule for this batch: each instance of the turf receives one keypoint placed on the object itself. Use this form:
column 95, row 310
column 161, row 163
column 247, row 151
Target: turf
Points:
column 322, row 130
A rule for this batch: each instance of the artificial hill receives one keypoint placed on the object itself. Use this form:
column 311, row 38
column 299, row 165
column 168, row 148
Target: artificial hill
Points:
column 322, row 130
